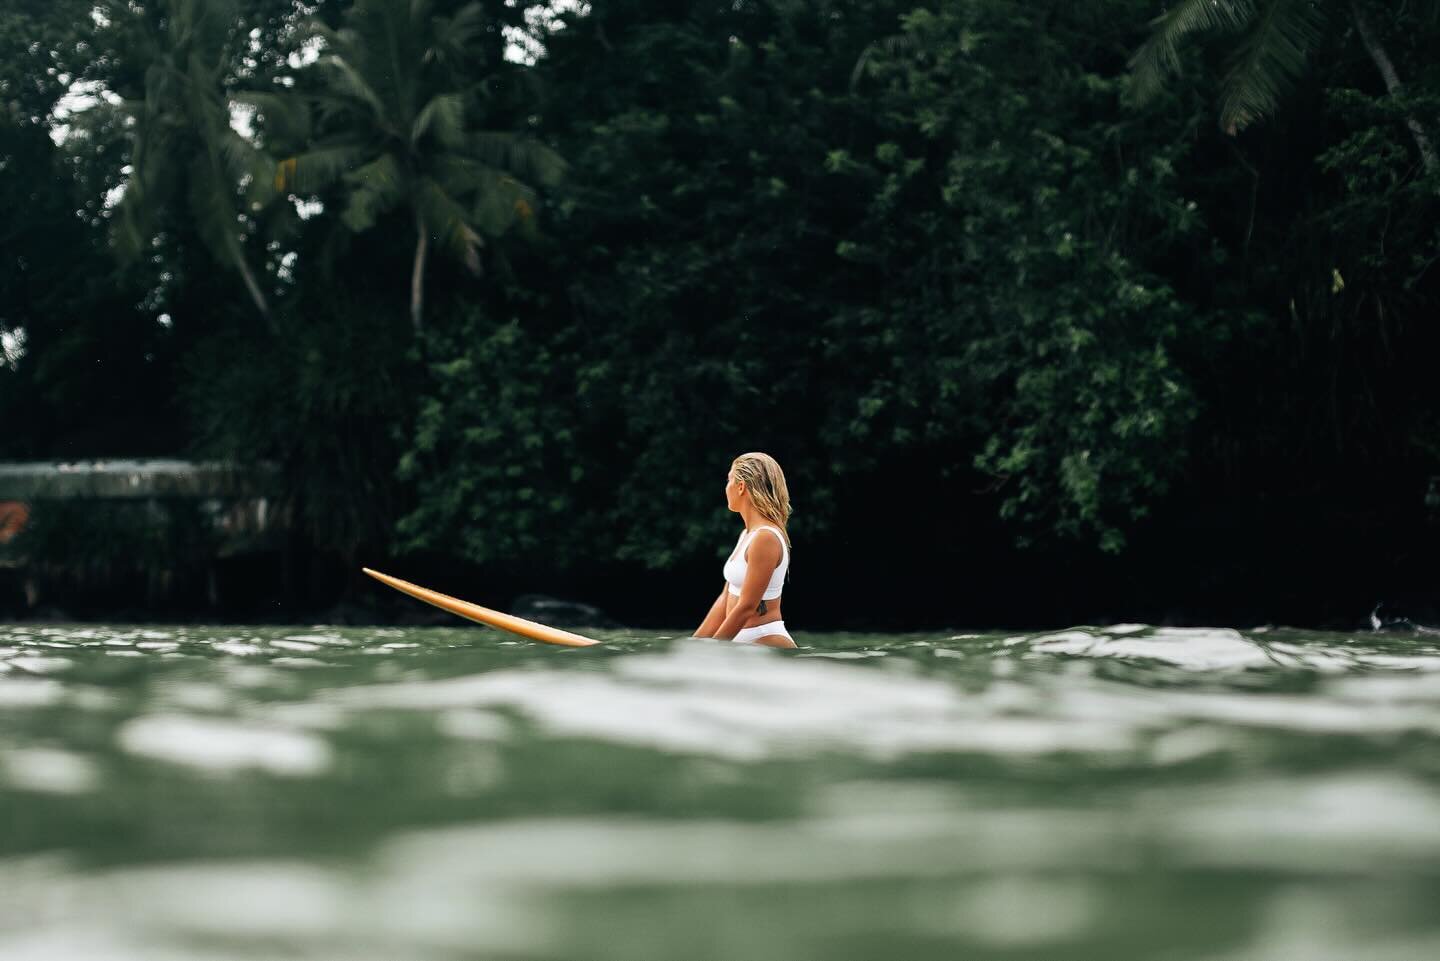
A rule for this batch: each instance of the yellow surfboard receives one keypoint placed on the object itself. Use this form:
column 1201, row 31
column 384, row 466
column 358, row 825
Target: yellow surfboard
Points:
column 483, row 615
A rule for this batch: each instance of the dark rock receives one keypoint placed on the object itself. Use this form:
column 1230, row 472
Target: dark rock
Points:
column 1406, row 615
column 560, row 613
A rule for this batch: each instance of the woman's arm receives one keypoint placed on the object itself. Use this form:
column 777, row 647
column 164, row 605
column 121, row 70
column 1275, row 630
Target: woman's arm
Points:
column 714, row 618
column 761, row 558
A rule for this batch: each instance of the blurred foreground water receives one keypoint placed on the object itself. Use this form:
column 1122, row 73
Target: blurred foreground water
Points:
column 1099, row 793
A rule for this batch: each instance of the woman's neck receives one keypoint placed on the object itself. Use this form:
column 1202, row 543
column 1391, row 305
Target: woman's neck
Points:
column 754, row 519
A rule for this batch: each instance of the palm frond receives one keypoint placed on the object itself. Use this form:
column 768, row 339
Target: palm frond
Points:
column 345, row 79
column 378, row 187
column 1270, row 61
column 468, row 23
column 444, row 115
column 1159, row 55
column 448, row 223
column 363, row 208
column 461, row 175
column 240, row 156
column 523, row 156
column 212, row 208
column 316, row 169
column 455, row 36
column 502, row 203
column 380, row 36
column 248, row 166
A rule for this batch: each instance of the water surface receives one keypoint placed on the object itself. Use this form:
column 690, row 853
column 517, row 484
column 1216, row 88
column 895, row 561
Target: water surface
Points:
column 1118, row 792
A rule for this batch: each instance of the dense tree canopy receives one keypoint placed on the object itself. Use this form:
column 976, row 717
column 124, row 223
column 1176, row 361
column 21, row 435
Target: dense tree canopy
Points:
column 1078, row 279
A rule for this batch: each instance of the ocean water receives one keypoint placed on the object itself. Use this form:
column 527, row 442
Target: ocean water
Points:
column 1107, row 793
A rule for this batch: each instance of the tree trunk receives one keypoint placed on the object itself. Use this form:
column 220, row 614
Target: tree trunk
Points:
column 417, row 275
column 1392, row 84
column 248, row 275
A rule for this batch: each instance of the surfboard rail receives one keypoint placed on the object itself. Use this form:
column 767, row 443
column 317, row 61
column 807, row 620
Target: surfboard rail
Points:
column 484, row 615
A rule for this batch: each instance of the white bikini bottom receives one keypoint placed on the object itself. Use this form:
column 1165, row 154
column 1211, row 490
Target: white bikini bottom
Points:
column 749, row 635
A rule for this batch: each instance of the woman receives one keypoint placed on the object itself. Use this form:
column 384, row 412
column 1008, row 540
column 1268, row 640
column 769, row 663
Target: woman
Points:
column 748, row 608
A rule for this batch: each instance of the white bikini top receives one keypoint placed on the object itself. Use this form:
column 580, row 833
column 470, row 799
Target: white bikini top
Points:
column 736, row 566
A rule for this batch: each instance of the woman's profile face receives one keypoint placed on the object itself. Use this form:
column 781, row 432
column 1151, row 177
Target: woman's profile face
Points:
column 733, row 491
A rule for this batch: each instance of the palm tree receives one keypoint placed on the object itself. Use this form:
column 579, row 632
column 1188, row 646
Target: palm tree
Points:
column 185, row 155
column 394, row 101
column 1280, row 36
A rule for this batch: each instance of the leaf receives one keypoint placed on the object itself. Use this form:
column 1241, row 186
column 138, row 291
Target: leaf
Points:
column 1159, row 55
column 446, row 221
column 527, row 158
column 311, row 171
column 1272, row 58
column 444, row 115
column 347, row 81
column 378, row 187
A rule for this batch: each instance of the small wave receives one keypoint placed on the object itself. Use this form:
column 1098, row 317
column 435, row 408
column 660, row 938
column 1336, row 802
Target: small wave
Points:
column 215, row 744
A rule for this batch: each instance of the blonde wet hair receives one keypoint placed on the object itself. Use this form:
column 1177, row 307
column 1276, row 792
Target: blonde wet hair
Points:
column 766, row 483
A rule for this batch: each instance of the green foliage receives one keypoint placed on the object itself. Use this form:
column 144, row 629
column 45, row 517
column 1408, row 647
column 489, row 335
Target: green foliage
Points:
column 493, row 454
column 1019, row 212
column 186, row 159
column 326, row 401
column 932, row 258
column 394, row 127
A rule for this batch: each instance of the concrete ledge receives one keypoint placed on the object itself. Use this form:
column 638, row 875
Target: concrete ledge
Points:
column 135, row 479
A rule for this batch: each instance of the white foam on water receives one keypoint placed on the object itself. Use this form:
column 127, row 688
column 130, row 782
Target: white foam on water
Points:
column 1011, row 911
column 1403, row 662
column 300, row 662
column 1358, row 822
column 1406, row 688
column 238, row 648
column 194, row 695
column 1222, row 650
column 252, row 675
column 1189, row 744
column 225, row 745
column 26, row 692
column 1196, row 649
column 40, row 665
column 1303, row 923
column 1314, row 714
column 287, row 645
column 749, row 704
column 473, row 725
column 48, row 771
column 222, row 910
column 329, row 639
column 603, row 852
column 305, row 714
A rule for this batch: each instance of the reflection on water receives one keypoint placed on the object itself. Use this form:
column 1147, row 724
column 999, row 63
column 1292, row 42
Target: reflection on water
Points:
column 1114, row 793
